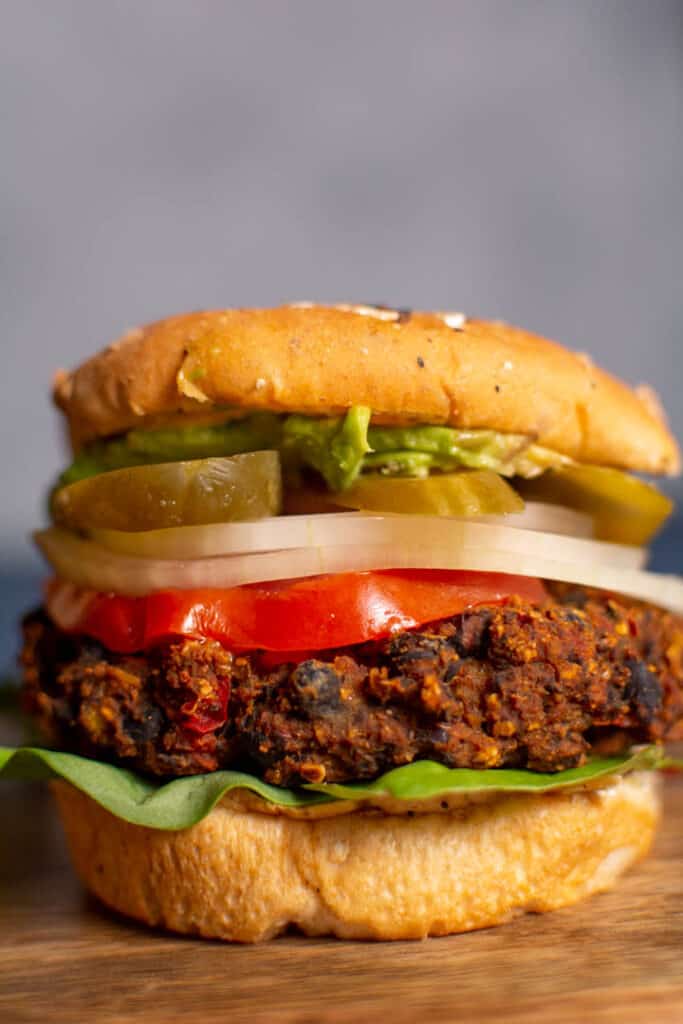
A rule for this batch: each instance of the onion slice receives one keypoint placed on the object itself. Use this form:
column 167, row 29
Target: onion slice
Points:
column 283, row 532
column 371, row 543
column 538, row 515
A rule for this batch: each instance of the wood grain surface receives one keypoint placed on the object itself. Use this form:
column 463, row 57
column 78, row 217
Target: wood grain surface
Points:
column 63, row 958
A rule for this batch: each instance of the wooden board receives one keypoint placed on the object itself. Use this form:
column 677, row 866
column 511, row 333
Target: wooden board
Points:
column 618, row 957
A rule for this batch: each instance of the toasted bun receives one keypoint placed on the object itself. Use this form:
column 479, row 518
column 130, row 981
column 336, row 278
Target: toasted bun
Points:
column 245, row 876
column 409, row 368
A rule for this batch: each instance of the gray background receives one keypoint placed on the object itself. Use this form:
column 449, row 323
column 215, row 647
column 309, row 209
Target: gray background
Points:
column 515, row 159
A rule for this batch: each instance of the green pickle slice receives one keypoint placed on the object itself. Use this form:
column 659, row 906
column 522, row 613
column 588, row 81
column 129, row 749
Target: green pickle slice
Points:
column 168, row 494
column 625, row 510
column 466, row 493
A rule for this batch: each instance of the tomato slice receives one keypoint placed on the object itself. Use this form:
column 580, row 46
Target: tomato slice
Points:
column 314, row 613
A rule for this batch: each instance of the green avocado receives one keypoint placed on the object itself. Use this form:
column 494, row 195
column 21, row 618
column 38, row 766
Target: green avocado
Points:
column 338, row 448
column 176, row 444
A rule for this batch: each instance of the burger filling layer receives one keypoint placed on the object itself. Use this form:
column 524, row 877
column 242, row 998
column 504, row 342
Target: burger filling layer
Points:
column 314, row 601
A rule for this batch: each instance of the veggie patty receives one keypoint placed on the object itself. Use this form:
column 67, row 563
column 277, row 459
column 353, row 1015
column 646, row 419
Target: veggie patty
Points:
column 518, row 685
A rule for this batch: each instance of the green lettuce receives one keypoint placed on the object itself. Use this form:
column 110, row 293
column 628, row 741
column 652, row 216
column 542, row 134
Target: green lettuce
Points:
column 337, row 447
column 185, row 801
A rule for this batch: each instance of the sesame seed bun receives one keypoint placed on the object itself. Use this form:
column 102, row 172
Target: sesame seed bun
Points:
column 408, row 367
column 245, row 876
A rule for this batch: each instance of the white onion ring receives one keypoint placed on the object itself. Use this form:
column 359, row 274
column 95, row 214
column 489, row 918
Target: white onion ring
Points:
column 538, row 515
column 280, row 532
column 357, row 529
column 444, row 544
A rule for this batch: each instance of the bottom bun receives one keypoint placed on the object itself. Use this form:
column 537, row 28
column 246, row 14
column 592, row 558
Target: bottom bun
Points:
column 246, row 876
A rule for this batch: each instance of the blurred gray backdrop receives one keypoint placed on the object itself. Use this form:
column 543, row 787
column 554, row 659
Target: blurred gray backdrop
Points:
column 520, row 160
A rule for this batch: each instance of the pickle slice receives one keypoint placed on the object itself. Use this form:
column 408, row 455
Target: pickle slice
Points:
column 167, row 494
column 625, row 510
column 466, row 493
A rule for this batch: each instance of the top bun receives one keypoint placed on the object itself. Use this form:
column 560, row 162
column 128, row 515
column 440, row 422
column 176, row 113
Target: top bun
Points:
column 437, row 368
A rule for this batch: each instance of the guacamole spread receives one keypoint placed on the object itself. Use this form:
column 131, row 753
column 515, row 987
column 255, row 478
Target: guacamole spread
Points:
column 338, row 448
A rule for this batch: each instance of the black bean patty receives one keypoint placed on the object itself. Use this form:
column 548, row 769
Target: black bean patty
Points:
column 514, row 685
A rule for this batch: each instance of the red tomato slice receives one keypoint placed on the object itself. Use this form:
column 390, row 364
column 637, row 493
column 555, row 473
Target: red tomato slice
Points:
column 308, row 614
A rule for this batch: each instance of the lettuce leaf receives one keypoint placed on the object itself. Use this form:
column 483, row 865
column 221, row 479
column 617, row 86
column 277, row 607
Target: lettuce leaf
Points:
column 183, row 802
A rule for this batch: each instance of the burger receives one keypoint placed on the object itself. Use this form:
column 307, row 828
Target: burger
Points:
column 348, row 627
